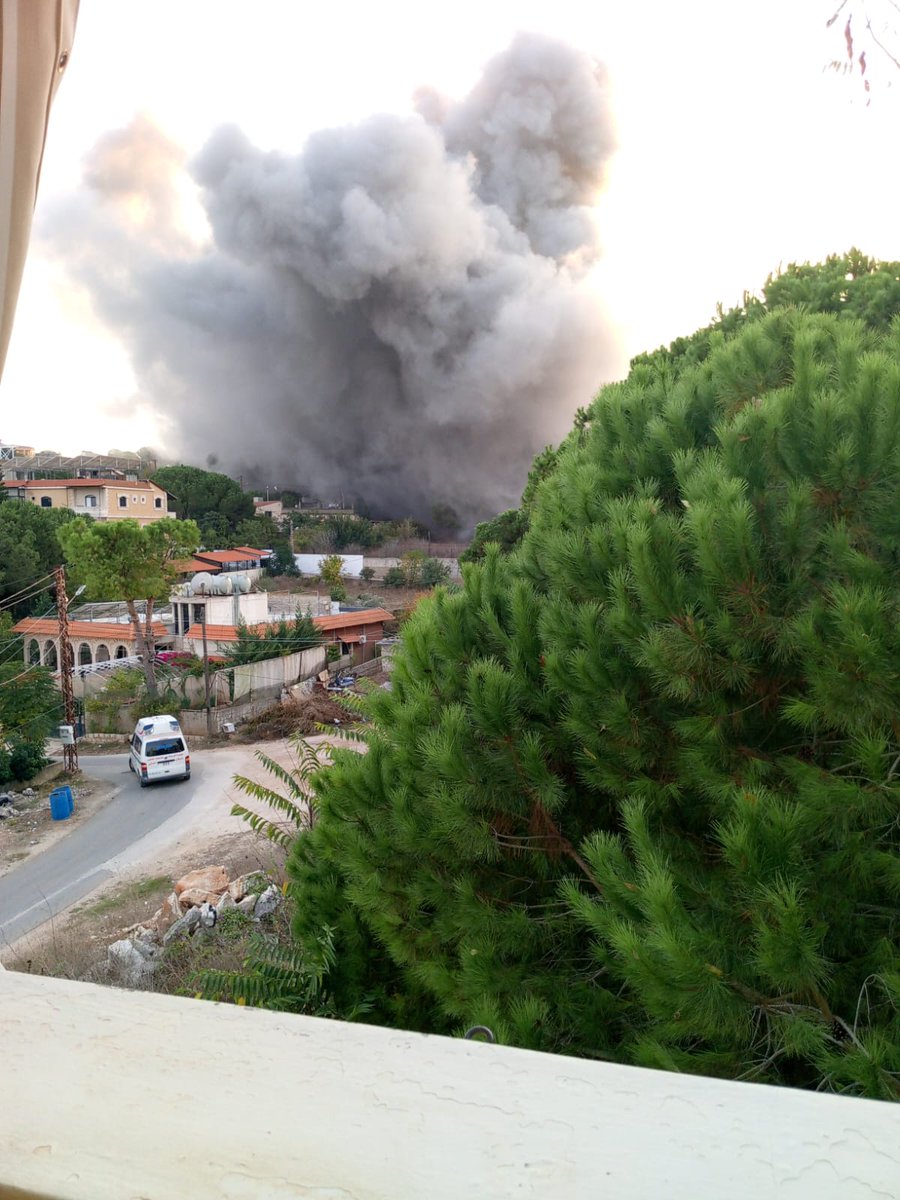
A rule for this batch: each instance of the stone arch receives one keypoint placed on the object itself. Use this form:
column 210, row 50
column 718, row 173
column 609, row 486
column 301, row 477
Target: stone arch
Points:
column 102, row 653
column 121, row 651
column 85, row 658
column 51, row 659
column 34, row 651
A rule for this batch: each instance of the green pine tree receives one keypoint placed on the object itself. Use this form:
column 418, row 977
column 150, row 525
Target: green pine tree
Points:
column 635, row 790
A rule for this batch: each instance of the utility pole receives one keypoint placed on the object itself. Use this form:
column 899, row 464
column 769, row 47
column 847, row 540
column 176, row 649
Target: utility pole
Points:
column 66, row 663
column 209, row 729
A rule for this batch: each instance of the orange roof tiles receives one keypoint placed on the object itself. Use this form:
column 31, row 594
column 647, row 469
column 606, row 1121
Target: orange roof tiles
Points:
column 108, row 630
column 350, row 620
column 226, row 556
column 223, row 633
column 184, row 565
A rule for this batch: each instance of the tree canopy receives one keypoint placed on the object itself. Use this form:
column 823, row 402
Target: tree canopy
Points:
column 215, row 501
column 123, row 560
column 29, row 551
column 633, row 793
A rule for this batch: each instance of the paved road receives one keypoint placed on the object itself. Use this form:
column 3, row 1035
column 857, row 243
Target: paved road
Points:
column 79, row 862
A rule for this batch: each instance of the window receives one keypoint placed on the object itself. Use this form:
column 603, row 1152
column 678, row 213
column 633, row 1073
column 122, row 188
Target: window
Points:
column 143, row 499
column 157, row 749
column 158, row 501
column 123, row 502
column 46, row 502
column 133, row 499
column 121, row 651
column 90, row 502
column 84, row 655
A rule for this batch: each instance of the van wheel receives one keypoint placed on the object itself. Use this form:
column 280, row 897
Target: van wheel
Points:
column 143, row 783
column 131, row 766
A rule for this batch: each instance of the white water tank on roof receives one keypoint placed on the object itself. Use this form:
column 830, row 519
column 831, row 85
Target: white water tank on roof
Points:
column 202, row 582
column 240, row 583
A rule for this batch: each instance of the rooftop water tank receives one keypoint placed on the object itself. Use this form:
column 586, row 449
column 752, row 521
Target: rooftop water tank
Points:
column 202, row 582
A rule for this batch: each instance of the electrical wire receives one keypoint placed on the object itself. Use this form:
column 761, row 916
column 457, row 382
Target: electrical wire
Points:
column 19, row 597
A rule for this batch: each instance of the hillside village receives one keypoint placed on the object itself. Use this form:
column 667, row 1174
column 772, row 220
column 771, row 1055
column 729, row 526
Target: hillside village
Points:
column 215, row 597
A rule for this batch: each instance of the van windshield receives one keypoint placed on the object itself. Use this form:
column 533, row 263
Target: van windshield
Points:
column 172, row 745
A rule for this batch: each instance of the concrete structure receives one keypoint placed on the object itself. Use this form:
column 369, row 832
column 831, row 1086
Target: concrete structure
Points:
column 24, row 462
column 117, row 1093
column 92, row 641
column 102, row 499
column 248, row 608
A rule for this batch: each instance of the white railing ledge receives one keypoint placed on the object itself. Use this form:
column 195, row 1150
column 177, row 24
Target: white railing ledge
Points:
column 110, row 1094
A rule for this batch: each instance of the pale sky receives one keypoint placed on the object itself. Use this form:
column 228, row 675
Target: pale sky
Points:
column 738, row 151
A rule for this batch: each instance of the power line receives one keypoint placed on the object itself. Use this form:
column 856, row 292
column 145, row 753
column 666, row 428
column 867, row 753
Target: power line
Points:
column 32, row 589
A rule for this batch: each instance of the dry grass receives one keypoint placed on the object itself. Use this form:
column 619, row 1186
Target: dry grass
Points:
column 74, row 946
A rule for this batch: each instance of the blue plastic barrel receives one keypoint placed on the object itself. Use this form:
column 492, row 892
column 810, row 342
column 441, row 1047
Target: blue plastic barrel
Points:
column 61, row 803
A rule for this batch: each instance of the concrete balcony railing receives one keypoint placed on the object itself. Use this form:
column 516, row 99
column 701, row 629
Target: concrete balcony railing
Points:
column 111, row 1094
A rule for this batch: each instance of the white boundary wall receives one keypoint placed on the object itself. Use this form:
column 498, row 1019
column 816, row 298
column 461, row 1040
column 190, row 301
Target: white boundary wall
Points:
column 310, row 564
column 123, row 1093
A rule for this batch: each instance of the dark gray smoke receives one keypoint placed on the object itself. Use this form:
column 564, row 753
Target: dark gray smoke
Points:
column 401, row 311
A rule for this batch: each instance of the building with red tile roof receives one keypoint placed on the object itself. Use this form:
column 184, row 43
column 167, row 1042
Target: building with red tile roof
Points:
column 92, row 641
column 102, row 499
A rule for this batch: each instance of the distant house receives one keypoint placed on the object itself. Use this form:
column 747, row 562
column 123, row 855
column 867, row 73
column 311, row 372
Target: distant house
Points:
column 92, row 641
column 102, row 499
column 269, row 508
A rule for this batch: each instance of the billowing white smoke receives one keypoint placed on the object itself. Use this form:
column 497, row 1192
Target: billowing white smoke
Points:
column 401, row 311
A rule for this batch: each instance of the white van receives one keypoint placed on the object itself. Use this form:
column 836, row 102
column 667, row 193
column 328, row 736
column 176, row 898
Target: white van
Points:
column 158, row 750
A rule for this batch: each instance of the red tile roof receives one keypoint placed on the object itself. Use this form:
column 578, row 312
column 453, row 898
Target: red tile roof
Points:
column 67, row 483
column 227, row 556
column 346, row 622
column 223, row 633
column 193, row 565
column 108, row 630
column 251, row 552
column 352, row 620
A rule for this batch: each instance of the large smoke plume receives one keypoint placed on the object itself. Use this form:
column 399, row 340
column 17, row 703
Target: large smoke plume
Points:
column 401, row 311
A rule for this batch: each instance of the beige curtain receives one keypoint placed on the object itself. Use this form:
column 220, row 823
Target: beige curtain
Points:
column 35, row 43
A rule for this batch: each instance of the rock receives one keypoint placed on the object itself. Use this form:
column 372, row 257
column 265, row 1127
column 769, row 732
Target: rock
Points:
column 268, row 902
column 144, row 948
column 225, row 903
column 248, row 903
column 6, row 798
column 205, row 885
column 238, row 888
column 208, row 915
column 28, row 792
column 183, row 926
column 170, row 912
column 126, row 961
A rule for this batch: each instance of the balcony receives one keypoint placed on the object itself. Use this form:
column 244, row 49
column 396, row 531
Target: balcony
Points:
column 113, row 1094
